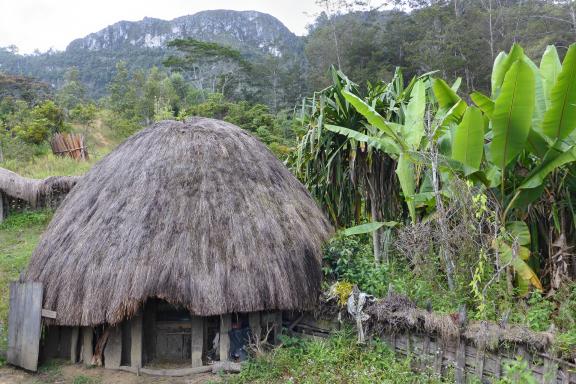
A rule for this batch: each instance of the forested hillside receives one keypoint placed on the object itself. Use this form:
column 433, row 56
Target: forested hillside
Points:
column 459, row 39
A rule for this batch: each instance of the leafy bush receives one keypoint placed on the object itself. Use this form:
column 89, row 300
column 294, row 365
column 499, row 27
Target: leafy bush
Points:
column 45, row 120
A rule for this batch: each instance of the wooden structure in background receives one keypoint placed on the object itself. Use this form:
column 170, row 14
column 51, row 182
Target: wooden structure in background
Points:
column 69, row 144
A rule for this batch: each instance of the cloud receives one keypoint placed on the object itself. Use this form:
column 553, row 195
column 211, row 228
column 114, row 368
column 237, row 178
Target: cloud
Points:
column 45, row 24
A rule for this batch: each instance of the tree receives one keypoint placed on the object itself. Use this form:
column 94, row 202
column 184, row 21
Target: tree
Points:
column 72, row 92
column 212, row 66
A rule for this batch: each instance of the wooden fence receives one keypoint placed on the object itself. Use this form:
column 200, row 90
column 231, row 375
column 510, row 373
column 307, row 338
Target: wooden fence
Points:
column 468, row 360
column 69, row 144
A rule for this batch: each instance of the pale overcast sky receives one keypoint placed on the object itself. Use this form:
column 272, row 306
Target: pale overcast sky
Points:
column 44, row 24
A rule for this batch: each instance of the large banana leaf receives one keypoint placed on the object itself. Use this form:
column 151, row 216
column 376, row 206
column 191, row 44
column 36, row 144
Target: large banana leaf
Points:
column 540, row 99
column 502, row 65
column 413, row 128
column 483, row 102
column 498, row 71
column 508, row 256
column 554, row 158
column 373, row 117
column 512, row 114
column 445, row 95
column 468, row 144
column 405, row 172
column 537, row 143
column 368, row 227
column 560, row 118
column 519, row 230
column 384, row 144
column 550, row 67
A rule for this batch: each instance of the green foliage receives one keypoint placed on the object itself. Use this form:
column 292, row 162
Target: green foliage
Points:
column 44, row 120
column 274, row 131
column 350, row 259
column 517, row 372
column 81, row 379
column 72, row 92
column 338, row 359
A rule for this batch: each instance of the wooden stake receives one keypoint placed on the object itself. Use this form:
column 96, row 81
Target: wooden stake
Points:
column 113, row 349
column 136, row 340
column 74, row 345
column 87, row 345
column 197, row 340
column 255, row 326
column 225, row 327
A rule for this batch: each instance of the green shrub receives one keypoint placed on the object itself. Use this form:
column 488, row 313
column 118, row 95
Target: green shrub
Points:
column 338, row 359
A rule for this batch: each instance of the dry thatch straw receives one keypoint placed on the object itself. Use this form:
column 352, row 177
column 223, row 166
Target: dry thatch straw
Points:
column 36, row 192
column 397, row 313
column 200, row 214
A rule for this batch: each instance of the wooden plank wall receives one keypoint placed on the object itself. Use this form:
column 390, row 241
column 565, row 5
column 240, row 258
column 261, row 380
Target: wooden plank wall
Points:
column 24, row 325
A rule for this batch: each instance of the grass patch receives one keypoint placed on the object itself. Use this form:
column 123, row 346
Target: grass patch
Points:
column 81, row 379
column 336, row 360
column 19, row 235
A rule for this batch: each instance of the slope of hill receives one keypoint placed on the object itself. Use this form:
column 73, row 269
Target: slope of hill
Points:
column 142, row 44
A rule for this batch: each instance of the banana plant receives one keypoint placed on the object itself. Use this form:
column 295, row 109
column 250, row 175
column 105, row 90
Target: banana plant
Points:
column 397, row 138
column 531, row 118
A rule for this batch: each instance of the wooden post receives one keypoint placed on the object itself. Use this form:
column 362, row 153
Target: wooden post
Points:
column 565, row 374
column 2, row 210
column 255, row 326
column 550, row 371
column 74, row 345
column 461, row 351
column 113, row 349
column 136, row 340
column 197, row 338
column 480, row 362
column 439, row 360
column 87, row 345
column 225, row 326
column 277, row 327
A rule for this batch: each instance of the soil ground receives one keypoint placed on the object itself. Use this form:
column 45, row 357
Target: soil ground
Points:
column 61, row 373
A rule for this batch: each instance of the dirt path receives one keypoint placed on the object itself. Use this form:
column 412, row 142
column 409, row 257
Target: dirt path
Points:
column 77, row 374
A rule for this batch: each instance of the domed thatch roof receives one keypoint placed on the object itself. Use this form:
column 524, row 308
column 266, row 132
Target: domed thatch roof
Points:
column 200, row 214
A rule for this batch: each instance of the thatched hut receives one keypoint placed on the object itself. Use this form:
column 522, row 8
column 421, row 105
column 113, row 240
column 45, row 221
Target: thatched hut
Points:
column 183, row 232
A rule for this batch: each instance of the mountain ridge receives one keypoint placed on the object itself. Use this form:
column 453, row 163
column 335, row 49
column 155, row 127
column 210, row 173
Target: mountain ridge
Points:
column 142, row 44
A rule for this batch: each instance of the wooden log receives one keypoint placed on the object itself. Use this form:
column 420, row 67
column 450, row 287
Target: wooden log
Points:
column 35, row 192
column 87, row 345
column 113, row 349
column 136, row 339
column 255, row 326
column 225, row 327
column 197, row 340
column 74, row 345
column 177, row 372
